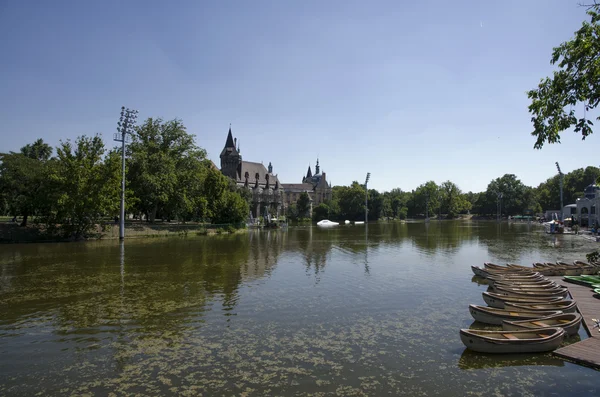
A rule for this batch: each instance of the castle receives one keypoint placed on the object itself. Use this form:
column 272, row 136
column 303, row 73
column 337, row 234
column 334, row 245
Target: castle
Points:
column 269, row 195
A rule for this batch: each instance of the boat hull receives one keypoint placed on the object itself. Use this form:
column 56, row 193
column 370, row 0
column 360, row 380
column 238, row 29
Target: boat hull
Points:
column 564, row 306
column 524, row 293
column 496, row 316
column 498, row 301
column 543, row 340
column 570, row 322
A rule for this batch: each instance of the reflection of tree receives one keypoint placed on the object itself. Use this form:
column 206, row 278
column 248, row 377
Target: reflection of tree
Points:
column 87, row 285
column 473, row 360
column 435, row 236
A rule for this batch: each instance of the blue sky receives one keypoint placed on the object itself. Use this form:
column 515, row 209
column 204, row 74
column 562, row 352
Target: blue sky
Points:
column 409, row 91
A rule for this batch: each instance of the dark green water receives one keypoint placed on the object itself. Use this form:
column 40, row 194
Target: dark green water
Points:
column 306, row 311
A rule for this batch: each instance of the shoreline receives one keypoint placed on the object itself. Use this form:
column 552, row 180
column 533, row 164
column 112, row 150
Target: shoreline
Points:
column 11, row 233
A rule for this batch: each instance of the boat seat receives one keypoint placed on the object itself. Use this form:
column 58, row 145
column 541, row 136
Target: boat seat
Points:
column 509, row 336
column 564, row 321
column 540, row 324
column 513, row 313
column 543, row 336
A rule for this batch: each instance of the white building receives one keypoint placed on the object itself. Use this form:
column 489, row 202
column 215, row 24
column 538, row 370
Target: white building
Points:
column 584, row 208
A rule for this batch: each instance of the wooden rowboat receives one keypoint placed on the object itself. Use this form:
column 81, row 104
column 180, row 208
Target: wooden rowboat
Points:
column 498, row 300
column 525, row 341
column 482, row 272
column 547, row 270
column 570, row 322
column 525, row 294
column 531, row 292
column 523, row 284
column 568, row 269
column 565, row 306
column 490, row 315
column 516, row 277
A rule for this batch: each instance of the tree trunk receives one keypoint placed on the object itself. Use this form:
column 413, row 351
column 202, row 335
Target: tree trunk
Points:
column 153, row 213
column 24, row 223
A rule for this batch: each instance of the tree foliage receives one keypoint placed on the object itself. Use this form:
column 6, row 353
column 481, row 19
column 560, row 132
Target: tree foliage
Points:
column 165, row 169
column 321, row 212
column 350, row 201
column 576, row 83
column 85, row 186
column 303, row 205
column 24, row 179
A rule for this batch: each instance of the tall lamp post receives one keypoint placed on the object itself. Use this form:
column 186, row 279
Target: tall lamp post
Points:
column 125, row 126
column 367, row 198
column 561, row 176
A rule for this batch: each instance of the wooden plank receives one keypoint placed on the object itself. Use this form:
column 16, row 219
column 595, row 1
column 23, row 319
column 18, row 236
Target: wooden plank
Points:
column 587, row 305
column 586, row 352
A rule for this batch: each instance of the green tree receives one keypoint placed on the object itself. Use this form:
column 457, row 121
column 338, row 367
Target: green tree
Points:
column 219, row 199
column 24, row 178
column 453, row 201
column 165, row 169
column 321, row 212
column 303, row 205
column 576, row 83
column 375, row 204
column 39, row 150
column 351, row 201
column 516, row 197
column 85, row 187
column 425, row 199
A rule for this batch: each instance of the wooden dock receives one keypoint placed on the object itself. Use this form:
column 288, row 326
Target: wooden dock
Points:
column 586, row 352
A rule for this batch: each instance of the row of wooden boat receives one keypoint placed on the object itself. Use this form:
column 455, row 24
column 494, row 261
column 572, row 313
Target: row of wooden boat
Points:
column 577, row 268
column 533, row 311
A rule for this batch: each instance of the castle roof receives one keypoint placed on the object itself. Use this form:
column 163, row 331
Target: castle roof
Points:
column 252, row 169
column 297, row 187
column 229, row 142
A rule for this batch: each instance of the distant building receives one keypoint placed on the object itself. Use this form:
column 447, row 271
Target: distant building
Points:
column 587, row 205
column 317, row 187
column 267, row 193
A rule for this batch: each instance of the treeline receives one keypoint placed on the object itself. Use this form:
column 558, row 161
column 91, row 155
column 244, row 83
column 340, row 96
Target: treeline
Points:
column 75, row 190
column 447, row 200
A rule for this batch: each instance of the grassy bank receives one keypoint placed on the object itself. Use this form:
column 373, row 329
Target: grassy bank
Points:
column 13, row 233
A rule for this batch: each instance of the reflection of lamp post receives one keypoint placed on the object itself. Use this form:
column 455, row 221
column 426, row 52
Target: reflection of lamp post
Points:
column 125, row 126
column 561, row 175
column 367, row 198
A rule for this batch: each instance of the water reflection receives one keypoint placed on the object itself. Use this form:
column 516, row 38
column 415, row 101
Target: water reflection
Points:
column 472, row 360
column 371, row 310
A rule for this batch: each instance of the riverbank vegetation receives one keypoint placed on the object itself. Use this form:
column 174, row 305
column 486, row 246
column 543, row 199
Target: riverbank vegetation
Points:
column 73, row 192
column 168, row 177
column 448, row 201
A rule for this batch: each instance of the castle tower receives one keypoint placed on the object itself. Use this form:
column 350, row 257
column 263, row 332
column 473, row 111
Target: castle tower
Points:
column 317, row 168
column 231, row 159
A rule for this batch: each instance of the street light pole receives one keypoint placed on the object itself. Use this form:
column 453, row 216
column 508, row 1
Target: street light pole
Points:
column 367, row 198
column 125, row 126
column 561, row 175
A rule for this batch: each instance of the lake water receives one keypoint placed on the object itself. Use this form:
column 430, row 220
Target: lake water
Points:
column 346, row 311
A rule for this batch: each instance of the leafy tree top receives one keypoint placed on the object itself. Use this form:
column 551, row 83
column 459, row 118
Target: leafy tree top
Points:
column 577, row 82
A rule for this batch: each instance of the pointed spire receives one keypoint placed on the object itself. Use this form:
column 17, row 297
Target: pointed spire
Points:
column 317, row 167
column 229, row 142
column 309, row 173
